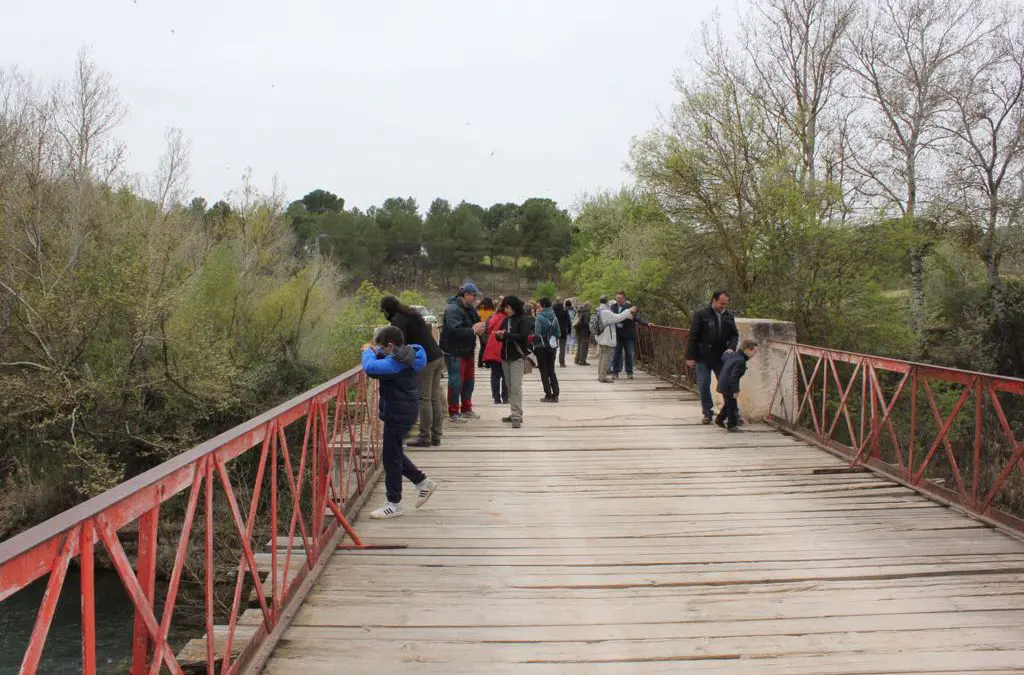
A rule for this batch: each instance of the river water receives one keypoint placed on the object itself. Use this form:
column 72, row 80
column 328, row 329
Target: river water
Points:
column 63, row 653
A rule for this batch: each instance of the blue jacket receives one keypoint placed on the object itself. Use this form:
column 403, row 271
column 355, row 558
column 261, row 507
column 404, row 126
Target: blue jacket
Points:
column 399, row 384
column 734, row 368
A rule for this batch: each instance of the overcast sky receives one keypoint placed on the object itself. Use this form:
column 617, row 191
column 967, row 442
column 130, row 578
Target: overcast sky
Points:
column 464, row 99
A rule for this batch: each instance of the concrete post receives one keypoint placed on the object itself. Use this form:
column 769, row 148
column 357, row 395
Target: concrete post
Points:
column 763, row 371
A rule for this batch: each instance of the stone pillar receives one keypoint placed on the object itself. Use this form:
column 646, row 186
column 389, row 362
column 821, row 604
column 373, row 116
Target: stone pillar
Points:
column 763, row 371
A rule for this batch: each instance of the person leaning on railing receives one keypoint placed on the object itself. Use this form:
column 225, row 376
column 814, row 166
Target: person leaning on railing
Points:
column 395, row 365
column 433, row 402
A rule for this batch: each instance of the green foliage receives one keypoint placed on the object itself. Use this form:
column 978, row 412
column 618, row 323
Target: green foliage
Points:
column 358, row 320
column 546, row 289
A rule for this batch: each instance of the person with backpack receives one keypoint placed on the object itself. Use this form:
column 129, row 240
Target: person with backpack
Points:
column 432, row 398
column 733, row 369
column 546, row 341
column 602, row 325
column 583, row 335
column 395, row 365
column 514, row 336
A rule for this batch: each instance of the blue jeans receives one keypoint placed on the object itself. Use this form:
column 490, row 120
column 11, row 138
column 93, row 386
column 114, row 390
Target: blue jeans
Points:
column 625, row 348
column 707, row 404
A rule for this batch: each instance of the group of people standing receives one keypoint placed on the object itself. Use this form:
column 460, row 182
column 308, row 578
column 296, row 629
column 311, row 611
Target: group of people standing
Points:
column 514, row 337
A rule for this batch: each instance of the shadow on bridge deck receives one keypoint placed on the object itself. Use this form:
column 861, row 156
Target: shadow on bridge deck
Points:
column 615, row 534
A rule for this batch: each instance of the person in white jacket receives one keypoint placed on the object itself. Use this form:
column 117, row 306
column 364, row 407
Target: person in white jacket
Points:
column 606, row 339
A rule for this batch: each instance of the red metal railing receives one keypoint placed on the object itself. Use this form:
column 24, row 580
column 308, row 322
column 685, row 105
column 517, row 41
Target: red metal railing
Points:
column 661, row 350
column 946, row 432
column 306, row 491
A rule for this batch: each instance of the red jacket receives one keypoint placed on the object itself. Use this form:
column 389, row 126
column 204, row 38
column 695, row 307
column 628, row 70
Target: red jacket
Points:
column 492, row 350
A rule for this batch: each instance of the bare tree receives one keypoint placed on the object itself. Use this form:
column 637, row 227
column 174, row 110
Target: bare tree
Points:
column 88, row 109
column 794, row 48
column 986, row 176
column 903, row 53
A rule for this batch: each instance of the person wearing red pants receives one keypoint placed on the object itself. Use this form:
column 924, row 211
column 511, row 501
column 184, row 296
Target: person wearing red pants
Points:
column 460, row 328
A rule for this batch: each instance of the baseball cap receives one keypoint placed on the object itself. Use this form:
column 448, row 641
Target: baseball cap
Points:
column 470, row 288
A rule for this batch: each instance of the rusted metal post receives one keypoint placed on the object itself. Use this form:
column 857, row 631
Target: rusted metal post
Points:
column 145, row 570
column 88, row 599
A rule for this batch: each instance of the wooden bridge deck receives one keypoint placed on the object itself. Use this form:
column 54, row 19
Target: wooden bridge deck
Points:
column 615, row 534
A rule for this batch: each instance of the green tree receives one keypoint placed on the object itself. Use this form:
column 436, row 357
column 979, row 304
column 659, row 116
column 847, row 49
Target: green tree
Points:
column 322, row 201
column 401, row 225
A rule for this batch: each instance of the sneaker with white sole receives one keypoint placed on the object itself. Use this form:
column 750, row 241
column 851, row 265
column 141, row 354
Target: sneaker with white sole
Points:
column 389, row 510
column 457, row 419
column 470, row 415
column 424, row 490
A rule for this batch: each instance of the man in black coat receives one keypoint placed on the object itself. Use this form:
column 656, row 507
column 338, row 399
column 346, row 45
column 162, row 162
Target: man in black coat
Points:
column 583, row 335
column 713, row 334
column 564, row 324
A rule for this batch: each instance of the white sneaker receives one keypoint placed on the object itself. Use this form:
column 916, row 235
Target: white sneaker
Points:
column 424, row 490
column 471, row 415
column 389, row 510
column 457, row 419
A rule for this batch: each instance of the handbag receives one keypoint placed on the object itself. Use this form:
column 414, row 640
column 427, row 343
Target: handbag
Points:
column 529, row 358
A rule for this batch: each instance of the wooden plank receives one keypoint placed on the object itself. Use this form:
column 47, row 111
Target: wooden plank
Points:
column 616, row 534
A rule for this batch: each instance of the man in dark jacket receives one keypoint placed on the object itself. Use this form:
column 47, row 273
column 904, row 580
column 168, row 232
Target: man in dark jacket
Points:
column 713, row 334
column 459, row 331
column 583, row 335
column 562, row 314
column 395, row 365
column 625, row 337
column 733, row 369
column 432, row 396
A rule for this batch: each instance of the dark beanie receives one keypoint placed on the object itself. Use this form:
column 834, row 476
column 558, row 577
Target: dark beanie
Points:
column 389, row 305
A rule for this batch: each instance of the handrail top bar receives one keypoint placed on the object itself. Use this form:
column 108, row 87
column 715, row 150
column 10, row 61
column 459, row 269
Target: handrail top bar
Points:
column 62, row 522
column 903, row 362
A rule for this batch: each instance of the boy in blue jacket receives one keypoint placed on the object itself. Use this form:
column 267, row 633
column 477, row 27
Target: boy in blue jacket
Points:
column 396, row 364
column 734, row 367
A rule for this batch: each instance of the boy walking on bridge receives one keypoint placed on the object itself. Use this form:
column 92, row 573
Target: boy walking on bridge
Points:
column 734, row 368
column 396, row 365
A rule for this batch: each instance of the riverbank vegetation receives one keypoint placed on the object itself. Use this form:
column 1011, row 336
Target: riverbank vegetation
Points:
column 854, row 166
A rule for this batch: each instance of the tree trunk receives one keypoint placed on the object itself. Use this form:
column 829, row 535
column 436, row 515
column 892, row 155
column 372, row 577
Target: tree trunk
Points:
column 917, row 307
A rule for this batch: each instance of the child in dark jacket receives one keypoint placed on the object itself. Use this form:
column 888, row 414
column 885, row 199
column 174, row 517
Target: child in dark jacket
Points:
column 396, row 364
column 734, row 367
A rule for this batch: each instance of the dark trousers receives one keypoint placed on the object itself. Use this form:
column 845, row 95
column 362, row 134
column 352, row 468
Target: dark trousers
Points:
column 582, row 349
column 730, row 412
column 625, row 350
column 396, row 464
column 546, row 366
column 461, row 378
column 562, row 342
column 480, row 354
column 499, row 387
